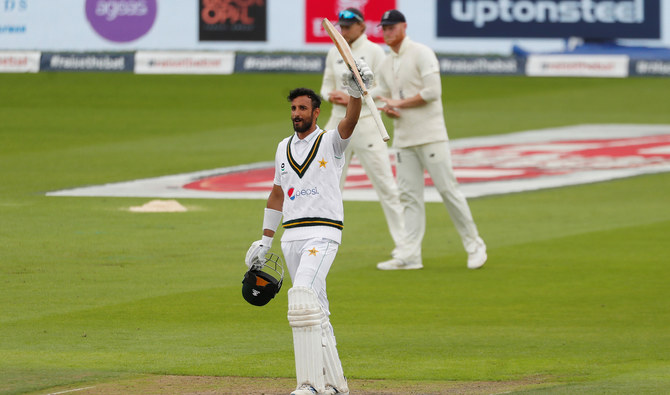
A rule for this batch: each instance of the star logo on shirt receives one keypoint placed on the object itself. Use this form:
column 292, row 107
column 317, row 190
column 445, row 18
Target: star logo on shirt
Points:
column 322, row 162
column 313, row 251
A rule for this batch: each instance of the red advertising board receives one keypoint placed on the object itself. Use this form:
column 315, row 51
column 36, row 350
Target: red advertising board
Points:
column 316, row 10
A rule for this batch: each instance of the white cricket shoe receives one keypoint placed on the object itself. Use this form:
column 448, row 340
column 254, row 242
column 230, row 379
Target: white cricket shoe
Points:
column 397, row 264
column 305, row 389
column 477, row 258
column 330, row 390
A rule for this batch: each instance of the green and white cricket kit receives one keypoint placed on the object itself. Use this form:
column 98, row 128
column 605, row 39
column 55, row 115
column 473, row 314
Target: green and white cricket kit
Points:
column 309, row 172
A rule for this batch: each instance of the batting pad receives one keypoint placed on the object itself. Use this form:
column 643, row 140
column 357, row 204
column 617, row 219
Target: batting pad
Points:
column 331, row 359
column 305, row 316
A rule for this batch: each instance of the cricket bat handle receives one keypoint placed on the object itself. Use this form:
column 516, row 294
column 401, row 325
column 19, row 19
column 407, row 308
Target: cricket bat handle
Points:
column 375, row 114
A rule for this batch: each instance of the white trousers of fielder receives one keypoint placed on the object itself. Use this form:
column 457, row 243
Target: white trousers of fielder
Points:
column 436, row 159
column 372, row 152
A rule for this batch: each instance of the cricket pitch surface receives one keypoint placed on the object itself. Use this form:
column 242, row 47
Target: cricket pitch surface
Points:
column 203, row 385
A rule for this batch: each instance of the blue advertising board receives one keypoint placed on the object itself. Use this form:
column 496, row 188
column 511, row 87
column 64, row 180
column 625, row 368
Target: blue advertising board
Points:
column 591, row 19
column 283, row 63
column 112, row 62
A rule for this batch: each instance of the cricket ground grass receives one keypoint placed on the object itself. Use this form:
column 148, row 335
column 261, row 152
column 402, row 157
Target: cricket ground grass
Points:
column 574, row 298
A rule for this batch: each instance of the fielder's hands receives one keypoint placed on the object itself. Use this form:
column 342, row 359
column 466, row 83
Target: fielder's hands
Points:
column 256, row 254
column 350, row 82
column 391, row 111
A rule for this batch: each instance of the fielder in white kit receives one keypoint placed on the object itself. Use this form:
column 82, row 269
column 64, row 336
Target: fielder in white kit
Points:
column 370, row 150
column 409, row 83
column 306, row 192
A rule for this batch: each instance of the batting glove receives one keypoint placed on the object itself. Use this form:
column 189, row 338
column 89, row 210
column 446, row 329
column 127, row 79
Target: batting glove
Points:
column 350, row 82
column 255, row 257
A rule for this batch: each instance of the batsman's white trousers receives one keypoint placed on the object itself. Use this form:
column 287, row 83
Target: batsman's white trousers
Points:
column 436, row 159
column 372, row 152
column 308, row 262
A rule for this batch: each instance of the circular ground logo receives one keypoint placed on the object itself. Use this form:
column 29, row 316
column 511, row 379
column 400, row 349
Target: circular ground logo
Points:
column 121, row 20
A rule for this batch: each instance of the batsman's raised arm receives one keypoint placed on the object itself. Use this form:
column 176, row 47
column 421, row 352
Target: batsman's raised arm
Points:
column 348, row 123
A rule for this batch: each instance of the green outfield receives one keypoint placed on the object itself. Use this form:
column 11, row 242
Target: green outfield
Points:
column 574, row 298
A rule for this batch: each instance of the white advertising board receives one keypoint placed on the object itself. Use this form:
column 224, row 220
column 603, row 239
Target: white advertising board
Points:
column 152, row 62
column 19, row 61
column 173, row 25
column 577, row 66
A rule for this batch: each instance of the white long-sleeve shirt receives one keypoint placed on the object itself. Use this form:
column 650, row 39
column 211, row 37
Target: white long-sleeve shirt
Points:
column 413, row 70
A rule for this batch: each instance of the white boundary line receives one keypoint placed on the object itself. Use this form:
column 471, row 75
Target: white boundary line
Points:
column 74, row 390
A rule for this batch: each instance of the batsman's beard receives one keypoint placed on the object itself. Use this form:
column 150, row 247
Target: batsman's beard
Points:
column 301, row 125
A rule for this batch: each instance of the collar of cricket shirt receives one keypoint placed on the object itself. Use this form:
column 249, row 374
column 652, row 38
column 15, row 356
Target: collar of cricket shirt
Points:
column 359, row 41
column 309, row 138
column 403, row 47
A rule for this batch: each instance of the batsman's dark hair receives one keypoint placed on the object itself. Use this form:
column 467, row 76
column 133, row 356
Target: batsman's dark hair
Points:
column 297, row 92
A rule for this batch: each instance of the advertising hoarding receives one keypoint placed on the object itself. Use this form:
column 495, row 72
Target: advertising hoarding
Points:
column 614, row 66
column 19, row 61
column 158, row 62
column 316, row 10
column 593, row 19
column 232, row 20
column 116, row 62
column 63, row 26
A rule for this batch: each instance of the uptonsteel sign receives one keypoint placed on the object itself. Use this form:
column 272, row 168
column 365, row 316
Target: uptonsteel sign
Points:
column 601, row 19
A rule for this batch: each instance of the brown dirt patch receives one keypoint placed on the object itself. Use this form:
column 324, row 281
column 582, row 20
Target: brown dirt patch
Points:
column 198, row 385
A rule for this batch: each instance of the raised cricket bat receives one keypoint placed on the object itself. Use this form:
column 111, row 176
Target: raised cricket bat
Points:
column 348, row 58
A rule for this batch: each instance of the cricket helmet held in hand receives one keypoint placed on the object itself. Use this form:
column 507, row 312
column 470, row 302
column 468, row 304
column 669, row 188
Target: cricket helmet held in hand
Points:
column 260, row 285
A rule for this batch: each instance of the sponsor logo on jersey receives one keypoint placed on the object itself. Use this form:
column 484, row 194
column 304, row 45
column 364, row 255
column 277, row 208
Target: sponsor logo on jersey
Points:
column 306, row 192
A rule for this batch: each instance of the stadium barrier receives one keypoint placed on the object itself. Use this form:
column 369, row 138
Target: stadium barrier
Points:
column 98, row 62
column 20, row 62
column 229, row 62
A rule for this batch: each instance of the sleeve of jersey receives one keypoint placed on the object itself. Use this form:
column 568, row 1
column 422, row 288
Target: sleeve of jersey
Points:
column 427, row 62
column 429, row 69
column 329, row 83
column 432, row 87
column 339, row 144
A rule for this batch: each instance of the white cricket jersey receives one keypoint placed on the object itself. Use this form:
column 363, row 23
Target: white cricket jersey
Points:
column 363, row 48
column 309, row 172
column 401, row 76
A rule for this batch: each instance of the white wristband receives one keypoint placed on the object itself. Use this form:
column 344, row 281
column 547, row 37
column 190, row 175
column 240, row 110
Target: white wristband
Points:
column 271, row 219
column 266, row 241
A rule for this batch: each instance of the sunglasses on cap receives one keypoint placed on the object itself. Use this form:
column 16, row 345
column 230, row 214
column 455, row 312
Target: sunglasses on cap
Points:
column 346, row 14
